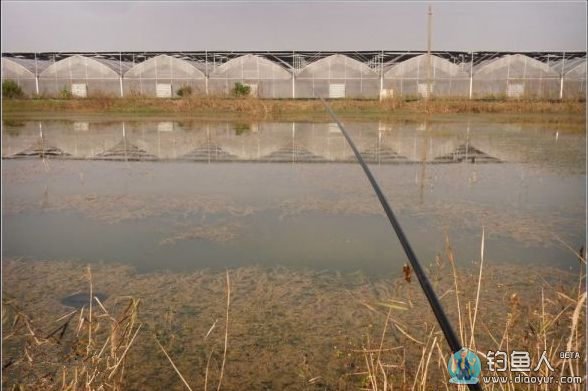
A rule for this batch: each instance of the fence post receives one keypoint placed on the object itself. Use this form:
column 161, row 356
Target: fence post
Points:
column 120, row 73
column 206, row 71
column 293, row 75
column 36, row 75
column 381, row 75
column 471, row 74
column 561, row 80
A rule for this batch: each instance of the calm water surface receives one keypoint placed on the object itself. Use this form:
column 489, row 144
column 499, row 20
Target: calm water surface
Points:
column 181, row 196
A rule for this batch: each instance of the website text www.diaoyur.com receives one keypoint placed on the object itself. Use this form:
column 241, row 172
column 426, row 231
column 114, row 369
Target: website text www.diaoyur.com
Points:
column 522, row 379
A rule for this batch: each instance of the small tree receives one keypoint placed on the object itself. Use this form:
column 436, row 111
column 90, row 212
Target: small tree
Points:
column 11, row 90
column 241, row 89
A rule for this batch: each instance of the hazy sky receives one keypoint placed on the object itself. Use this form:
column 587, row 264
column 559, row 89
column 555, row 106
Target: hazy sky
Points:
column 291, row 25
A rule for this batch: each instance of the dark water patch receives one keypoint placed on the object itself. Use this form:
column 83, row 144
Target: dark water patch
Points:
column 82, row 299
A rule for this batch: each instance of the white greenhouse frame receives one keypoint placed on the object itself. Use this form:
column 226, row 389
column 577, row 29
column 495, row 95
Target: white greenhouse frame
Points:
column 303, row 74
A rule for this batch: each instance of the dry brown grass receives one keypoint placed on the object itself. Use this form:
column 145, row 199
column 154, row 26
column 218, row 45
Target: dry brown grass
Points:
column 275, row 108
column 86, row 350
column 553, row 323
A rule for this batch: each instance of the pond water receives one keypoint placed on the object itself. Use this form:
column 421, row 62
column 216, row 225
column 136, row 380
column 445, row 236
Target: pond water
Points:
column 230, row 194
column 160, row 208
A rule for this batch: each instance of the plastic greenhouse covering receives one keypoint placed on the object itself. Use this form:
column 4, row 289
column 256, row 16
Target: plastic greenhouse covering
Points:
column 516, row 76
column 574, row 82
column 265, row 78
column 83, row 76
column 411, row 78
column 574, row 77
column 369, row 75
column 164, row 76
column 23, row 72
column 337, row 76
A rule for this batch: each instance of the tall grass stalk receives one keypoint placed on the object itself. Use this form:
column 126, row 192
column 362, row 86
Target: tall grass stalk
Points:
column 472, row 339
column 220, row 380
column 449, row 253
column 173, row 365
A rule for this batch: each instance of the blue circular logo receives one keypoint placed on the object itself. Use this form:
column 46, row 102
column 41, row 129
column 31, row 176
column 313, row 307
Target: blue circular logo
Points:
column 464, row 367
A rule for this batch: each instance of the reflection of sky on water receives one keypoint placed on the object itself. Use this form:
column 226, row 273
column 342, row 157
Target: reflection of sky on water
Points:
column 322, row 216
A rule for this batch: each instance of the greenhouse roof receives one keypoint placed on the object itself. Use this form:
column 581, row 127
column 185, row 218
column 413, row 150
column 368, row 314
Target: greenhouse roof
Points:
column 252, row 66
column 115, row 68
column 579, row 71
column 334, row 65
column 568, row 65
column 30, row 65
column 417, row 66
column 516, row 65
column 189, row 67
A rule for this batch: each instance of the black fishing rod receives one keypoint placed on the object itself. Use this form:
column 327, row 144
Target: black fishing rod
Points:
column 444, row 323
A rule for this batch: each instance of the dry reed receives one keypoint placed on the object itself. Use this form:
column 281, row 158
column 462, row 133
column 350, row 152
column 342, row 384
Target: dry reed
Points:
column 515, row 335
column 91, row 357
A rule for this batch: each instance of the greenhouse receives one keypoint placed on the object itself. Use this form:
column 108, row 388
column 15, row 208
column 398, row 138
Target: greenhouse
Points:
column 516, row 76
column 165, row 76
column 301, row 74
column 337, row 76
column 83, row 76
column 573, row 83
column 265, row 78
column 23, row 72
column 411, row 78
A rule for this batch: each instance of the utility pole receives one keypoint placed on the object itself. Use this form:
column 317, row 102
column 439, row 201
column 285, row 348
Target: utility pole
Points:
column 429, row 22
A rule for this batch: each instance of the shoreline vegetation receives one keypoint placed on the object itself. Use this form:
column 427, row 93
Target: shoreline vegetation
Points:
column 268, row 109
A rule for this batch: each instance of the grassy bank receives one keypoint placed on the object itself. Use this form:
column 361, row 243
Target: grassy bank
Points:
column 272, row 108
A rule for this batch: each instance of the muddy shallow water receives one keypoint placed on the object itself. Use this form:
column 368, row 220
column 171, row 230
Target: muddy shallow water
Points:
column 310, row 253
column 288, row 329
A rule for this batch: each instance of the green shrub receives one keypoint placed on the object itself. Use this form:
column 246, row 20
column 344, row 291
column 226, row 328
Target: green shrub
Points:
column 65, row 93
column 11, row 90
column 241, row 89
column 184, row 91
